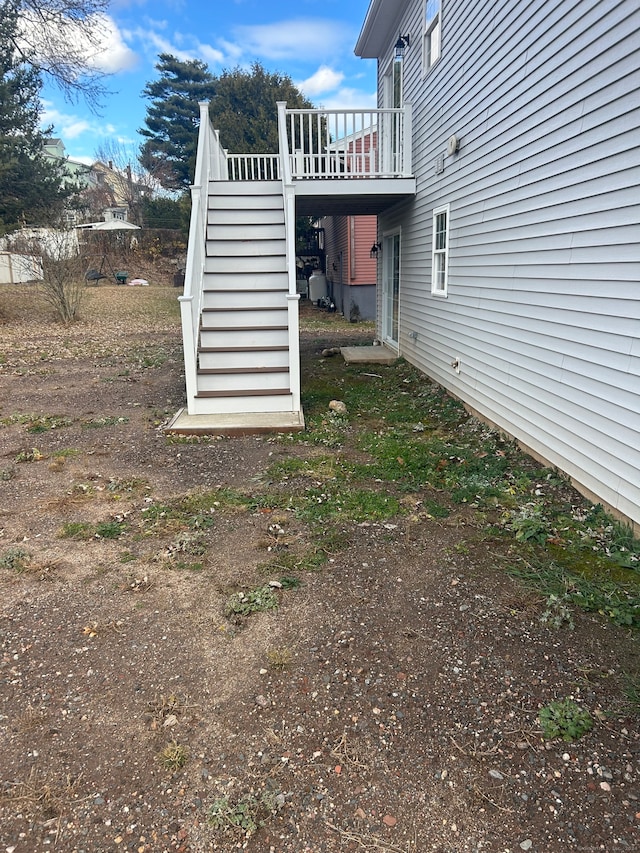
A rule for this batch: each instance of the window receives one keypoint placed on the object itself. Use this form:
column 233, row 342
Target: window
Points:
column 431, row 41
column 440, row 256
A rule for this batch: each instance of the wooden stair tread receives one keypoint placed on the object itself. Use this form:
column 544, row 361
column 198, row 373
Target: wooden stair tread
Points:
column 278, row 348
column 243, row 329
column 249, row 392
column 244, row 308
column 221, row 371
column 284, row 289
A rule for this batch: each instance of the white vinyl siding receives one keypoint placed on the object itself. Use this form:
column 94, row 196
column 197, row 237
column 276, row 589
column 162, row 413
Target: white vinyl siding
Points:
column 543, row 306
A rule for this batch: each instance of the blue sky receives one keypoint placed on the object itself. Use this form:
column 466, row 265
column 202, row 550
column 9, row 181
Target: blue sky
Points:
column 312, row 42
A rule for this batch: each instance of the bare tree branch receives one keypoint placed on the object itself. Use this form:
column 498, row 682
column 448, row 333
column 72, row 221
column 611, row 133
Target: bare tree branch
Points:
column 64, row 40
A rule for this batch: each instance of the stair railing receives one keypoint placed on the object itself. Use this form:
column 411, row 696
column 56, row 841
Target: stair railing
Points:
column 293, row 297
column 211, row 164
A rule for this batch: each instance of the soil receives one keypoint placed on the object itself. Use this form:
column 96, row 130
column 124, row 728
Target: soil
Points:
column 390, row 702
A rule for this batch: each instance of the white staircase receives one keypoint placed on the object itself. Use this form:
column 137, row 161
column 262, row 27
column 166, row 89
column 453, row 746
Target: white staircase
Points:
column 243, row 362
column 243, row 350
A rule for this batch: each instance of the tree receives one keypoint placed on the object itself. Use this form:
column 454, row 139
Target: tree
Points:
column 32, row 189
column 124, row 180
column 61, row 38
column 244, row 108
column 171, row 132
column 163, row 212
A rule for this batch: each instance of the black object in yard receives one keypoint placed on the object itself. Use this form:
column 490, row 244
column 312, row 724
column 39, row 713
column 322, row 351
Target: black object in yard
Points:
column 94, row 275
column 121, row 276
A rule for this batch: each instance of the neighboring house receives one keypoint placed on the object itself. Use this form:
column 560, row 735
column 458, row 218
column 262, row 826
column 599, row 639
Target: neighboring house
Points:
column 74, row 171
column 114, row 193
column 351, row 261
column 513, row 276
column 351, row 264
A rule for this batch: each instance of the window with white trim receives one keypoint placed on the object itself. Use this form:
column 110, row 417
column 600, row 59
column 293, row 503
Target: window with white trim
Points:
column 440, row 253
column 432, row 29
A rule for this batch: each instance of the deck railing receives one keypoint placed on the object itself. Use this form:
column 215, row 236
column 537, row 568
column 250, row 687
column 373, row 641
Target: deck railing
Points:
column 331, row 144
column 253, row 167
column 347, row 143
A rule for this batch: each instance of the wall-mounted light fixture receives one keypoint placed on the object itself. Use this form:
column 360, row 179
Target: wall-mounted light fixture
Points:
column 401, row 45
column 373, row 252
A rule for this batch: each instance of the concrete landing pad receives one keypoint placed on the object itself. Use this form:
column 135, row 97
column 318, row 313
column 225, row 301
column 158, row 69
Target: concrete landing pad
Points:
column 246, row 423
column 368, row 355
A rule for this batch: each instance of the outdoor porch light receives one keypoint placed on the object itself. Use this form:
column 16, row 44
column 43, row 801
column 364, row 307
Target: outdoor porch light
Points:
column 373, row 252
column 401, row 45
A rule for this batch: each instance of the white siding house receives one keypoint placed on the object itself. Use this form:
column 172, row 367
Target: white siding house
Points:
column 512, row 278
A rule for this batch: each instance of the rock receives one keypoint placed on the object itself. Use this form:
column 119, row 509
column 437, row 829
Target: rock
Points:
column 496, row 774
column 389, row 820
column 330, row 351
column 338, row 407
column 527, row 844
column 262, row 701
column 605, row 786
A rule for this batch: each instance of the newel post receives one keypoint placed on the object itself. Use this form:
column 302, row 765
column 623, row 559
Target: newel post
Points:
column 407, row 141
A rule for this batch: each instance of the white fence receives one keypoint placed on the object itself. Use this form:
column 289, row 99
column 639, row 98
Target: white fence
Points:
column 17, row 268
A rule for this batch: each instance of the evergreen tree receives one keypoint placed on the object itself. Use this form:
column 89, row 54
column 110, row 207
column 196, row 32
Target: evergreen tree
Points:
column 32, row 190
column 171, row 130
column 244, row 108
column 162, row 212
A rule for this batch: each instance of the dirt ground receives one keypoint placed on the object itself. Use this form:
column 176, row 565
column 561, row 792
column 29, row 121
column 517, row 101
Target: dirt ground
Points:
column 389, row 703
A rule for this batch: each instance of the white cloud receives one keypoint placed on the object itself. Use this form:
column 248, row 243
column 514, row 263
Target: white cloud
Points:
column 303, row 38
column 70, row 128
column 97, row 42
column 350, row 99
column 184, row 47
column 232, row 51
column 115, row 55
column 210, row 54
column 161, row 44
column 325, row 79
column 64, row 126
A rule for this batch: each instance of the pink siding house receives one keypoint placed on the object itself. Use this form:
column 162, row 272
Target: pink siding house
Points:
column 351, row 271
